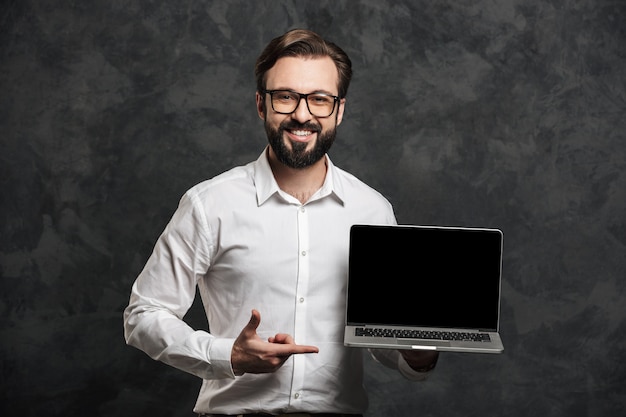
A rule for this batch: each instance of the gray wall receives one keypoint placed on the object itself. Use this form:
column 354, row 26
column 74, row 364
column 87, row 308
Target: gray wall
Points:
column 505, row 114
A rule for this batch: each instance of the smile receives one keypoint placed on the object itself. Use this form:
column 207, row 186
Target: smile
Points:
column 301, row 132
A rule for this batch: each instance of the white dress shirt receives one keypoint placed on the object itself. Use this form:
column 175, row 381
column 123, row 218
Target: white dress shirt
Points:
column 248, row 245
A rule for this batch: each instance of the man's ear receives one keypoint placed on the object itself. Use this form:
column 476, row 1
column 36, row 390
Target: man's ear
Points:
column 260, row 105
column 340, row 110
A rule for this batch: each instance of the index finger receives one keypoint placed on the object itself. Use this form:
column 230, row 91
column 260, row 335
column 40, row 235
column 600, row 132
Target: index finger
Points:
column 291, row 349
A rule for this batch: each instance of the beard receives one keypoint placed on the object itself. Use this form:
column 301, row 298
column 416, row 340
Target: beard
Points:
column 297, row 156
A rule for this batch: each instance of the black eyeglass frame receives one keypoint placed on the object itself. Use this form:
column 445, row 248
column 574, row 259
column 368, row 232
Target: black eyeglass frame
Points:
column 336, row 99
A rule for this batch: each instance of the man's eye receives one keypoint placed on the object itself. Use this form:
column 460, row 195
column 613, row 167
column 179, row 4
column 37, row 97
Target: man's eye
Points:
column 286, row 97
column 320, row 99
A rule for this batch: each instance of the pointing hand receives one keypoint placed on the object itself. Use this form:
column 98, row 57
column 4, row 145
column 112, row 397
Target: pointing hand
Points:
column 251, row 354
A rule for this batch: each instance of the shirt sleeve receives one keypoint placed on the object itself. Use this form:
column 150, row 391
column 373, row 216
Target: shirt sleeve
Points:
column 163, row 293
column 391, row 358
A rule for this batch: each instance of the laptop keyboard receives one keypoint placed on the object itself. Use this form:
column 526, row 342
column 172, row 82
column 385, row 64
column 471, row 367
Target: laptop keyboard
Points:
column 421, row 334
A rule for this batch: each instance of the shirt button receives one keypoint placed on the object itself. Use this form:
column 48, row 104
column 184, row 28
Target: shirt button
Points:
column 302, row 209
column 296, row 395
column 303, row 253
column 302, row 299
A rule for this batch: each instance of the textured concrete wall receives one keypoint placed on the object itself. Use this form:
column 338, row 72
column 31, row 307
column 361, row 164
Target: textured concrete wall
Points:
column 506, row 113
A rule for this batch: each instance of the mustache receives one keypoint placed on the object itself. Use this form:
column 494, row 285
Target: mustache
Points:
column 293, row 125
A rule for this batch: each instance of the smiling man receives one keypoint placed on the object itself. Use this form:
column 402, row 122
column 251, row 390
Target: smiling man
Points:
column 267, row 246
column 309, row 121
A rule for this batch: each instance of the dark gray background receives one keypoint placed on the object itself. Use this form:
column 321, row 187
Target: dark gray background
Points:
column 505, row 114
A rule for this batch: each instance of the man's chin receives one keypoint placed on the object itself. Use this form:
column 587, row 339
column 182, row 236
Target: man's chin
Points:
column 299, row 146
column 299, row 154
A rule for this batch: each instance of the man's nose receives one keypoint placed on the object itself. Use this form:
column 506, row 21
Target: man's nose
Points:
column 302, row 113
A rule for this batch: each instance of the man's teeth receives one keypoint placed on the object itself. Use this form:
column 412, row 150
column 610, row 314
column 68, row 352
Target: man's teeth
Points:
column 301, row 132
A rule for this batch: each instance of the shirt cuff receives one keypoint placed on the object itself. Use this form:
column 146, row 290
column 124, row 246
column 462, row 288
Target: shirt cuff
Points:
column 410, row 373
column 219, row 355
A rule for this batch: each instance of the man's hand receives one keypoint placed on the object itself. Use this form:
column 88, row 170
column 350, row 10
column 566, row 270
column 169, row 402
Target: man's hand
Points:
column 251, row 354
column 420, row 360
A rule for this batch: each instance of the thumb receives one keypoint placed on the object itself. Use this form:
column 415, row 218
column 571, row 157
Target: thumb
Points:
column 255, row 320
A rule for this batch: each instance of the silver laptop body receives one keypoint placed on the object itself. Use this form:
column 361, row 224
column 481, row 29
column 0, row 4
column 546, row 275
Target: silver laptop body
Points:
column 424, row 287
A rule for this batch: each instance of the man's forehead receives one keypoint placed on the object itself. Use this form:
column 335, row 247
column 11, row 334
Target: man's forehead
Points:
column 303, row 74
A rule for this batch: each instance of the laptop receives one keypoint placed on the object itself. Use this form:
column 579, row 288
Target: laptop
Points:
column 424, row 287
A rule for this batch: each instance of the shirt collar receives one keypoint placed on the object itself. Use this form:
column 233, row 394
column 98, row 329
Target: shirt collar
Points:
column 266, row 185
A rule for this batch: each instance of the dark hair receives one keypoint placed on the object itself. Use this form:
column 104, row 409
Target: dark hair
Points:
column 303, row 43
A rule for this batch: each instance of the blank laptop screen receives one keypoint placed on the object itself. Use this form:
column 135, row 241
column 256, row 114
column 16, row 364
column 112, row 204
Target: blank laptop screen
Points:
column 424, row 276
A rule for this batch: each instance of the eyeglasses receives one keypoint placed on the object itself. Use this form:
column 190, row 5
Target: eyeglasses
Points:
column 287, row 101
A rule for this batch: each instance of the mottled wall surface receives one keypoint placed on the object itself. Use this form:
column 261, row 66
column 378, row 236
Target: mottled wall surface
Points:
column 507, row 114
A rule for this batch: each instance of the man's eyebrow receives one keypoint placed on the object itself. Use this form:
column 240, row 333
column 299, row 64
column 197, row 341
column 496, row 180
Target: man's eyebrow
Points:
column 321, row 91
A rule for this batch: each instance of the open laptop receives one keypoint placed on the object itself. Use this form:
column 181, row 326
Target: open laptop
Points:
column 424, row 287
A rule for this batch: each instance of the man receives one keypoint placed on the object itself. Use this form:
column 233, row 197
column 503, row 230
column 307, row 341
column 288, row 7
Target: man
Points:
column 267, row 246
